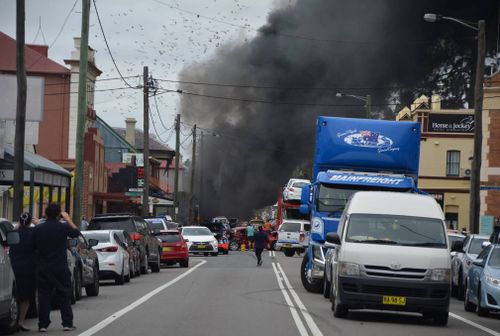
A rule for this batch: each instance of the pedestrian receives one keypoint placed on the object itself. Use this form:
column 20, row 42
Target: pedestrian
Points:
column 22, row 258
column 84, row 224
column 250, row 233
column 50, row 241
column 261, row 240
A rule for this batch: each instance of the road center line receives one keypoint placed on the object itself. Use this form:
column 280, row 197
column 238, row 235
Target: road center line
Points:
column 293, row 309
column 309, row 320
column 101, row 325
column 474, row 324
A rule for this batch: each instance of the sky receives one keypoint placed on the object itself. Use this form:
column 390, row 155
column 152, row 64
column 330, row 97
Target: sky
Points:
column 165, row 35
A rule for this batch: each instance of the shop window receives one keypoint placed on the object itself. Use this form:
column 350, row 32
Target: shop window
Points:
column 451, row 219
column 453, row 163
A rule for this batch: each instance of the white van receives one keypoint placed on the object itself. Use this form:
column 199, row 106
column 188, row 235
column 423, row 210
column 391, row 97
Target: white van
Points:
column 391, row 253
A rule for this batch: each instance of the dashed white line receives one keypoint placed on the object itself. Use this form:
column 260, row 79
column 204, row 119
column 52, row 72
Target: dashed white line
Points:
column 101, row 325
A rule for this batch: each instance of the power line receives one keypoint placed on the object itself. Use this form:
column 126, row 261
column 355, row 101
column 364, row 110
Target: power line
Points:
column 159, row 115
column 107, row 45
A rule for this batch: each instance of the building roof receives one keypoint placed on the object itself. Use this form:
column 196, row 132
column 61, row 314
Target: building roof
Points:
column 38, row 162
column 36, row 62
column 139, row 140
column 117, row 135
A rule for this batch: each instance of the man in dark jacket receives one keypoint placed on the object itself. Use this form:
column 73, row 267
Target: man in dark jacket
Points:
column 50, row 240
column 260, row 240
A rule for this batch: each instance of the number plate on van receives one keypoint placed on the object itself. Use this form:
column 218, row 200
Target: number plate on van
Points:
column 394, row 300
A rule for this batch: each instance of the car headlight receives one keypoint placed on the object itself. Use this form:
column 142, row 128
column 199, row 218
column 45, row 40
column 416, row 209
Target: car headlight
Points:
column 349, row 269
column 493, row 281
column 440, row 274
column 215, row 242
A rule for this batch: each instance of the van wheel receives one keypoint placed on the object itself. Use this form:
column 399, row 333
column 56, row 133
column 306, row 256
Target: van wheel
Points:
column 9, row 324
column 440, row 318
column 289, row 252
column 311, row 285
column 339, row 310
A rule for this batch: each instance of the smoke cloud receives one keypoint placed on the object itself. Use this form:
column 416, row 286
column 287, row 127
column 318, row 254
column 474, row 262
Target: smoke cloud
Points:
column 307, row 51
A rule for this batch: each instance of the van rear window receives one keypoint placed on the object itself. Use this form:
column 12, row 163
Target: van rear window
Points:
column 290, row 227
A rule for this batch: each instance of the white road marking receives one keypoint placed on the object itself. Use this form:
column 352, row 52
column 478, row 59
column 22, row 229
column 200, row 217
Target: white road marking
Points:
column 293, row 309
column 474, row 324
column 309, row 320
column 101, row 325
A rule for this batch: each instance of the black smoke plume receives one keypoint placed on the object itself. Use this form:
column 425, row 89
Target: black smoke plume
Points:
column 306, row 52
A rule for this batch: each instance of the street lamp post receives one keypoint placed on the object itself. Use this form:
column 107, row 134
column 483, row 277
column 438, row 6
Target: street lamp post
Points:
column 366, row 99
column 475, row 179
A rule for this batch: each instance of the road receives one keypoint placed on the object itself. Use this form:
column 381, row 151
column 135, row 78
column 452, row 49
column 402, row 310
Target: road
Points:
column 229, row 295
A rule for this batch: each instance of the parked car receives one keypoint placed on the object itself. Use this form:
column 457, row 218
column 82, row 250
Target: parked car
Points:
column 174, row 248
column 148, row 244
column 133, row 251
column 482, row 286
column 87, row 266
column 114, row 260
column 200, row 239
column 293, row 189
column 293, row 236
column 9, row 304
column 466, row 252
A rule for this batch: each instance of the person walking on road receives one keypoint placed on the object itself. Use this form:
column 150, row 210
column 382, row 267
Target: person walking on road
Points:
column 261, row 240
column 22, row 258
column 250, row 233
column 50, row 242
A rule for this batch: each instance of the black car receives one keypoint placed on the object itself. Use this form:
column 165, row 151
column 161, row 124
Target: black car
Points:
column 147, row 243
column 220, row 229
column 87, row 266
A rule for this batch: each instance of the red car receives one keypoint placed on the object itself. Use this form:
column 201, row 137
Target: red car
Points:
column 239, row 236
column 173, row 248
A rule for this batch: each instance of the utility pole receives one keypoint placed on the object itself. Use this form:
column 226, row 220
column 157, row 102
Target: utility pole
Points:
column 200, row 196
column 191, row 185
column 475, row 179
column 20, row 111
column 368, row 106
column 145, row 152
column 177, row 159
column 82, row 112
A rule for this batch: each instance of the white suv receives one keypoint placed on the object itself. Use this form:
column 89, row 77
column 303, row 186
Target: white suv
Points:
column 293, row 189
column 293, row 236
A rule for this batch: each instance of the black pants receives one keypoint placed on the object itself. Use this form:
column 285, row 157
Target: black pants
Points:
column 258, row 254
column 48, row 280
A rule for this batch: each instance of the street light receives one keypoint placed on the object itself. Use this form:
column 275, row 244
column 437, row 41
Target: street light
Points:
column 367, row 99
column 475, row 179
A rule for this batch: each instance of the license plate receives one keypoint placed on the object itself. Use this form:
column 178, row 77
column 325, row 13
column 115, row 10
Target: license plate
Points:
column 167, row 249
column 201, row 247
column 394, row 300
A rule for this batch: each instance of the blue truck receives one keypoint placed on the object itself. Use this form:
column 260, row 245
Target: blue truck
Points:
column 353, row 155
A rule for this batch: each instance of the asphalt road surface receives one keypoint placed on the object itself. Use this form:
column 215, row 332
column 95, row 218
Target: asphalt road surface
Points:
column 229, row 295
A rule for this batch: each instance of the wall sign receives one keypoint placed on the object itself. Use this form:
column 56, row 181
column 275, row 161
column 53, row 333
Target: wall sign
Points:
column 451, row 123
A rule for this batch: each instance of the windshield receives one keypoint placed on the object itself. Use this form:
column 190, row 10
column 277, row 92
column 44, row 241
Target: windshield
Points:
column 112, row 224
column 332, row 199
column 290, row 227
column 299, row 184
column 201, row 231
column 102, row 237
column 169, row 237
column 396, row 230
column 494, row 258
column 453, row 239
column 476, row 245
column 155, row 224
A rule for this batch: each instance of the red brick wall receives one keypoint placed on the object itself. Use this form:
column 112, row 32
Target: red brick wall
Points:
column 493, row 196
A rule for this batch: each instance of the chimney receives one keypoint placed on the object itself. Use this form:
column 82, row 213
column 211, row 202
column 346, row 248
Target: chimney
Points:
column 435, row 102
column 130, row 130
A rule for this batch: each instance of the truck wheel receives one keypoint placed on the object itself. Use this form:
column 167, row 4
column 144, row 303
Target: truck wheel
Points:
column 440, row 318
column 289, row 252
column 311, row 285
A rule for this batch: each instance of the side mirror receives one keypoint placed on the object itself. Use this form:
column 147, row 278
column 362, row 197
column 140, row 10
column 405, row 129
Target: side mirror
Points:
column 305, row 194
column 13, row 238
column 333, row 238
column 93, row 242
column 457, row 246
column 478, row 262
column 453, row 253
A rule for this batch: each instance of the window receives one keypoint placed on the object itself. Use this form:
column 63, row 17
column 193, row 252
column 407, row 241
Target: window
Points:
column 452, row 163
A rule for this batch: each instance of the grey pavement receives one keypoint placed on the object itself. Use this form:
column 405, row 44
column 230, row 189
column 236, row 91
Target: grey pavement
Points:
column 229, row 295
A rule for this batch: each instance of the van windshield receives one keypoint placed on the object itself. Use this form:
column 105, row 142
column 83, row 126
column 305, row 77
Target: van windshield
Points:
column 396, row 230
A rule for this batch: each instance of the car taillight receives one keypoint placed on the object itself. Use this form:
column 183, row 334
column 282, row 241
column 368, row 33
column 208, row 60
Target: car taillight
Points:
column 108, row 249
column 136, row 236
column 302, row 237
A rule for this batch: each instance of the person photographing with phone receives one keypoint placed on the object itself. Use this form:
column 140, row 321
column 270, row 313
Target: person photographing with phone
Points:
column 50, row 244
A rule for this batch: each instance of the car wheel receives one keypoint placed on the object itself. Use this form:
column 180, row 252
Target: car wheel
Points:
column 311, row 285
column 155, row 268
column 9, row 324
column 120, row 279
column 468, row 306
column 78, row 284
column 273, row 246
column 138, row 267
column 234, row 245
column 144, row 267
column 460, row 289
column 480, row 310
column 339, row 310
column 184, row 263
column 93, row 290
column 289, row 252
column 326, row 287
column 132, row 269
column 214, row 254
